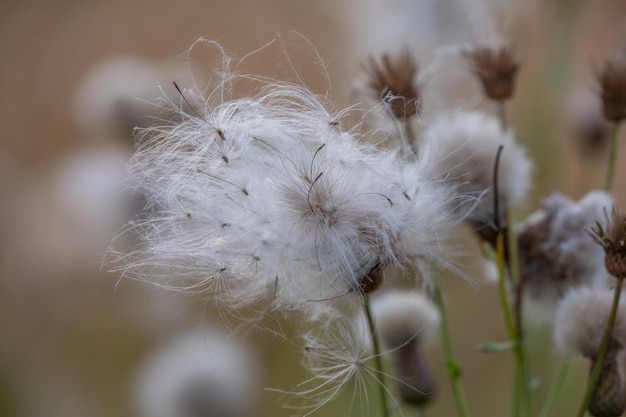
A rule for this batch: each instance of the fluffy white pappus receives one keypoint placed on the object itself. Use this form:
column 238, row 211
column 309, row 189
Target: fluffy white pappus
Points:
column 336, row 357
column 556, row 250
column 582, row 317
column 198, row 374
column 461, row 150
column 266, row 196
column 404, row 316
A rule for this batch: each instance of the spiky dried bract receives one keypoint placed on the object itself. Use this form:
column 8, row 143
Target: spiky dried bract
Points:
column 612, row 80
column 266, row 198
column 612, row 238
column 581, row 319
column 394, row 81
column 461, row 150
column 198, row 374
column 556, row 251
column 402, row 316
column 495, row 67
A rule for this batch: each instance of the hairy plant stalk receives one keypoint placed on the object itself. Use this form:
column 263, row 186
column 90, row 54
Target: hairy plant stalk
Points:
column 411, row 137
column 378, row 362
column 555, row 388
column 610, row 175
column 452, row 366
column 597, row 366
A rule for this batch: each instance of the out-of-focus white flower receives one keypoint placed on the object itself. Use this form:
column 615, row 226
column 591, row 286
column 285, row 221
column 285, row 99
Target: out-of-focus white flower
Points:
column 461, row 150
column 267, row 196
column 557, row 251
column 200, row 374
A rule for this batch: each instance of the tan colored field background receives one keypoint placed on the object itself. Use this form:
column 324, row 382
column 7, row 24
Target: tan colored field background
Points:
column 70, row 339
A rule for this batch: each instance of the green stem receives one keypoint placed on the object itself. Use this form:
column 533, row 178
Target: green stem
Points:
column 510, row 326
column 453, row 368
column 610, row 175
column 555, row 388
column 595, row 373
column 378, row 361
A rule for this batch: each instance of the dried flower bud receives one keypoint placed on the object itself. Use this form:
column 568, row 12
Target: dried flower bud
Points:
column 394, row 82
column 608, row 399
column 496, row 68
column 612, row 79
column 405, row 320
column 612, row 238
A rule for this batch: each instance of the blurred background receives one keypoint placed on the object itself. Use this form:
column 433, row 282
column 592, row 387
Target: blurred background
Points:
column 75, row 341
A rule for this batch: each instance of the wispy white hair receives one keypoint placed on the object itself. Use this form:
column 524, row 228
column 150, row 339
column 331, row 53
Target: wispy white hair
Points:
column 266, row 196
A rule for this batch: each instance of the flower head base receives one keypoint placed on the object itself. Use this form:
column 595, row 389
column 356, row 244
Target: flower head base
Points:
column 612, row 238
column 612, row 80
column 496, row 68
column 394, row 82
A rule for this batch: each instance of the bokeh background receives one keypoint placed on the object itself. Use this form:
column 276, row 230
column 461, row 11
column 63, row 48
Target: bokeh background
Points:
column 72, row 336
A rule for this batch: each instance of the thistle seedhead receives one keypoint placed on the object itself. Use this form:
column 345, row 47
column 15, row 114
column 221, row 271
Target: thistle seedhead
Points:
column 496, row 68
column 612, row 238
column 393, row 80
column 612, row 80
column 555, row 249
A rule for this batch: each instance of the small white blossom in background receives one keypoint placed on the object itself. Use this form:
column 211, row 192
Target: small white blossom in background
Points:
column 557, row 251
column 198, row 374
column 461, row 150
column 267, row 198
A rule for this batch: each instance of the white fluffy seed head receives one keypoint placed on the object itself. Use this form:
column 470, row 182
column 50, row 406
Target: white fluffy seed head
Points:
column 556, row 250
column 581, row 320
column 198, row 375
column 266, row 197
column 403, row 316
column 461, row 150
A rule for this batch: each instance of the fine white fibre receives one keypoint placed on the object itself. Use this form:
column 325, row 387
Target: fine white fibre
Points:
column 199, row 374
column 582, row 317
column 556, row 250
column 402, row 316
column 461, row 149
column 266, row 196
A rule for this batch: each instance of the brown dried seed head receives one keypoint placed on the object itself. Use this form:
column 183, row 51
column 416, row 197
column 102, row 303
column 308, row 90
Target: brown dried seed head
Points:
column 608, row 398
column 415, row 379
column 612, row 79
column 613, row 241
column 496, row 68
column 394, row 82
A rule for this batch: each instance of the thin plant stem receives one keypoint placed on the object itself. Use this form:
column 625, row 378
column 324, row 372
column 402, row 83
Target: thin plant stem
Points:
column 555, row 388
column 411, row 138
column 453, row 368
column 610, row 175
column 518, row 285
column 378, row 362
column 510, row 325
column 595, row 373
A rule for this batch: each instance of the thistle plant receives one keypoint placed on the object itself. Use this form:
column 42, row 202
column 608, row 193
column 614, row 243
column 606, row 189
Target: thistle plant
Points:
column 271, row 201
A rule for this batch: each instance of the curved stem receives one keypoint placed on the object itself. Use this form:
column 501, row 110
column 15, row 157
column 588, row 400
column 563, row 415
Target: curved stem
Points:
column 378, row 361
column 610, row 175
column 452, row 366
column 595, row 373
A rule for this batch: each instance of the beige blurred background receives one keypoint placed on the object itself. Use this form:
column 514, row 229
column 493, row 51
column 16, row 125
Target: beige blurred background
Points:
column 72, row 336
